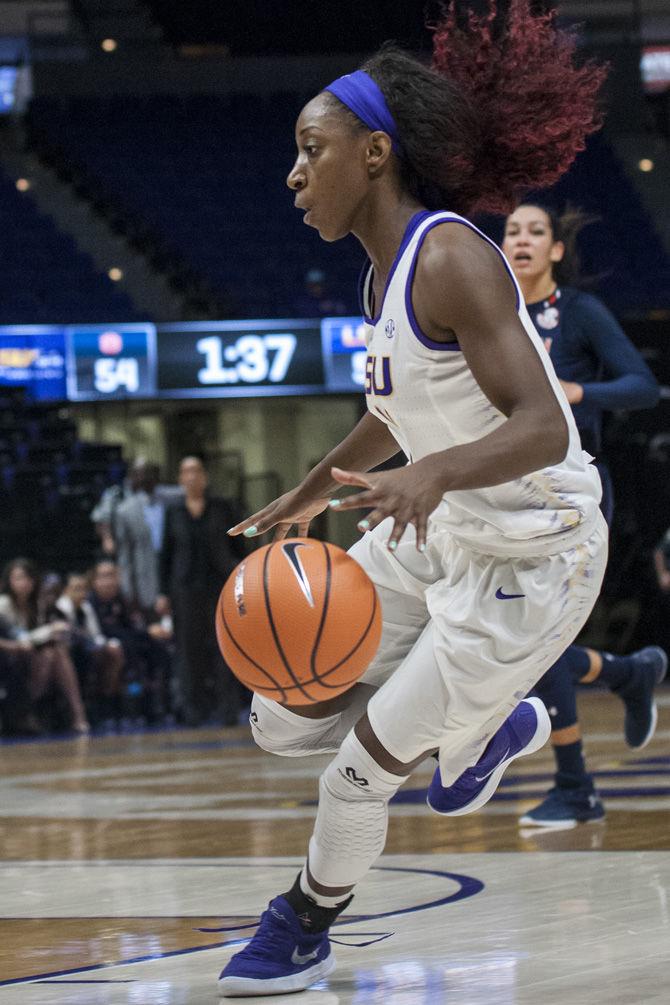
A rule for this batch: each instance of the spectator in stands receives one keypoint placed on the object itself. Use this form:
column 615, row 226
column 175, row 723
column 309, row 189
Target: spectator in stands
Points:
column 99, row 661
column 46, row 643
column 139, row 522
column 197, row 558
column 104, row 515
column 16, row 716
column 146, row 656
column 316, row 301
column 142, row 480
column 51, row 587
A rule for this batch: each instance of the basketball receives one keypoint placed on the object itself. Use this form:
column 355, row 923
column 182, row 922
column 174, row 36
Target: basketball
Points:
column 298, row 621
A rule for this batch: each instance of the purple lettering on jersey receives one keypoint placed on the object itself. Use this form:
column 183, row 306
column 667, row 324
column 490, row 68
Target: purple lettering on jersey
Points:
column 369, row 371
column 385, row 388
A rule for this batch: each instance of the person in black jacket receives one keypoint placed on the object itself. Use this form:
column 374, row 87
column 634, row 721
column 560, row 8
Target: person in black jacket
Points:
column 196, row 559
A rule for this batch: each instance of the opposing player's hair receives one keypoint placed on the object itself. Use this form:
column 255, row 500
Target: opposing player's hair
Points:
column 505, row 107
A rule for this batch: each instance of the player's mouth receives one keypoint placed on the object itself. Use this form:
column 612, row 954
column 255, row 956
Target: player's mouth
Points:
column 306, row 210
column 521, row 258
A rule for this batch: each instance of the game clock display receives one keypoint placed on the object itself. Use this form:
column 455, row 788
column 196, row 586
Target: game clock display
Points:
column 239, row 358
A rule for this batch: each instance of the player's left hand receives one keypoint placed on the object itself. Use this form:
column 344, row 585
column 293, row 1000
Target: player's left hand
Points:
column 408, row 494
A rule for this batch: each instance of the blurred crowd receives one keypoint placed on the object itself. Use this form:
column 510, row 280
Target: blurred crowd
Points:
column 130, row 641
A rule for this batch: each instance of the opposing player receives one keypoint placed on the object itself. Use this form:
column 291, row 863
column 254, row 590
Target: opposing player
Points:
column 488, row 548
column 600, row 369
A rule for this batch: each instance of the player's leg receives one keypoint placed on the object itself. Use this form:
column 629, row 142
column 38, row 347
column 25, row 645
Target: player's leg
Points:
column 573, row 799
column 552, row 599
column 430, row 694
column 291, row 948
column 632, row 678
column 463, row 677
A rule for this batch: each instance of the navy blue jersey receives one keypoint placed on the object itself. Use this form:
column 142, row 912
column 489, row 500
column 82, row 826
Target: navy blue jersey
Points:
column 588, row 346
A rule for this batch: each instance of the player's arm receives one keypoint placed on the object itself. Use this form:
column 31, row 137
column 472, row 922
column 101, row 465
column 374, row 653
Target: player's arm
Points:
column 370, row 443
column 628, row 383
column 462, row 288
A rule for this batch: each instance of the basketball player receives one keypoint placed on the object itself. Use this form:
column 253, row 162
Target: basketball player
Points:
column 488, row 549
column 599, row 369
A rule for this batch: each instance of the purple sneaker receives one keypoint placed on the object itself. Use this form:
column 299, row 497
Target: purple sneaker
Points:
column 526, row 730
column 281, row 957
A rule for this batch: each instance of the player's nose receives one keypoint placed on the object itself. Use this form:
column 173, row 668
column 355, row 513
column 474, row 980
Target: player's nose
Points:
column 295, row 179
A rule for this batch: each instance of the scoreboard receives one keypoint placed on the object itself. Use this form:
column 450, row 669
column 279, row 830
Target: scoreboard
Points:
column 201, row 359
column 110, row 361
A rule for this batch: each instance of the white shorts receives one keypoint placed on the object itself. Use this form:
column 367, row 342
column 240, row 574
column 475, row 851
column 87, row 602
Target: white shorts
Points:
column 467, row 635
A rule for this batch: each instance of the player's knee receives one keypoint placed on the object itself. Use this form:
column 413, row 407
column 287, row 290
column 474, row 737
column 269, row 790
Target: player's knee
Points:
column 280, row 731
column 354, row 775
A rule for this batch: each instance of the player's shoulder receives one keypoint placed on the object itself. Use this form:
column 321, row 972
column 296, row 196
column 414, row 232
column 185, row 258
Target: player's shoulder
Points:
column 582, row 305
column 456, row 248
column 459, row 262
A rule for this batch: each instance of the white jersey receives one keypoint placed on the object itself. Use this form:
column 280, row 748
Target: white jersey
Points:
column 429, row 398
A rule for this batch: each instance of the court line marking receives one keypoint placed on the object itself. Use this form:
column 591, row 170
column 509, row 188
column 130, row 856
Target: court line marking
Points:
column 469, row 886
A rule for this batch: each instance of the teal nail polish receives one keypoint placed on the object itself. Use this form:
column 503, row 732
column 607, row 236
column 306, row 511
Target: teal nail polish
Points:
column 364, row 525
column 393, row 545
column 422, row 547
column 334, row 503
column 250, row 531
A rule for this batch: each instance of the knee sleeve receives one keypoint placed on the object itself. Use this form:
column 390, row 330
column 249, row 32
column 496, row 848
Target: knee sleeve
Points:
column 280, row 731
column 557, row 690
column 350, row 830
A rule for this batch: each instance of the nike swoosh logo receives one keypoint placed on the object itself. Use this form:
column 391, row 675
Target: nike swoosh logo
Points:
column 299, row 959
column 484, row 777
column 508, row 596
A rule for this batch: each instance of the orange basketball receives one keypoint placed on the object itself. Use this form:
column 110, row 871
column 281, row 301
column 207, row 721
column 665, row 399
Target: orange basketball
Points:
column 298, row 621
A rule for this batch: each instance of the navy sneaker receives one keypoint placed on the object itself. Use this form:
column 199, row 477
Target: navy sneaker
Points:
column 650, row 666
column 281, row 957
column 526, row 730
column 565, row 808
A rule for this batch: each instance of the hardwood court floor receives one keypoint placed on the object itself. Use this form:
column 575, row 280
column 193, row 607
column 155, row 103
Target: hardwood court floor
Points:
column 130, row 864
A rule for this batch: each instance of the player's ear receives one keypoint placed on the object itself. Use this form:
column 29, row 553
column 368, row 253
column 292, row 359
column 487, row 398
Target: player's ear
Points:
column 557, row 251
column 378, row 152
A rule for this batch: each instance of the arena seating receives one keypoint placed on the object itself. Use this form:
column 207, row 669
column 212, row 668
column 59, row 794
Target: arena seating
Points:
column 44, row 278
column 204, row 178
column 49, row 483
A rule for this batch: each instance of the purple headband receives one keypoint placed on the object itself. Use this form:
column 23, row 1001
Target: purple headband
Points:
column 359, row 92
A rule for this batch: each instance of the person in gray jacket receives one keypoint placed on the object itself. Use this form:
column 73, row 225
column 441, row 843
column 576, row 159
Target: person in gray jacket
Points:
column 139, row 528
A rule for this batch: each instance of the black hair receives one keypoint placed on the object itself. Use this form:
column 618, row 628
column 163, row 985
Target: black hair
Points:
column 425, row 106
column 31, row 570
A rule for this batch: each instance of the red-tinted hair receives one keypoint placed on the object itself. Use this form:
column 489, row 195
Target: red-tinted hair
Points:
column 535, row 105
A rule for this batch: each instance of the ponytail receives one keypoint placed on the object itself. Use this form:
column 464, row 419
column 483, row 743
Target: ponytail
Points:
column 503, row 109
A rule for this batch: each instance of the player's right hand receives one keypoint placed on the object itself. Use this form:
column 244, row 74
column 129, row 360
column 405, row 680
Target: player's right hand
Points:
column 291, row 509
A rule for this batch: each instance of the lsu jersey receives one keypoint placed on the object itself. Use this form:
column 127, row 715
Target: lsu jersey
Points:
column 429, row 398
